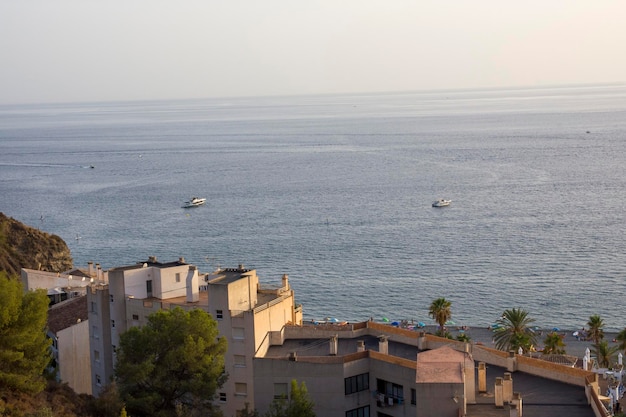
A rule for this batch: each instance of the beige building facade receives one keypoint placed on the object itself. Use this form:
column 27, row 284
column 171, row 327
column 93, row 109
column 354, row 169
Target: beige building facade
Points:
column 245, row 311
column 350, row 370
column 68, row 328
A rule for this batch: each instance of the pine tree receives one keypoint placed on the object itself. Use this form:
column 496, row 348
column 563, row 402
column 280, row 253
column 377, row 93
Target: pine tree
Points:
column 297, row 405
column 175, row 362
column 24, row 348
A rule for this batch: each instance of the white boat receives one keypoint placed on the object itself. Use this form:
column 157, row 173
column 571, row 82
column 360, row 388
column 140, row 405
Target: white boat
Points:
column 194, row 202
column 441, row 203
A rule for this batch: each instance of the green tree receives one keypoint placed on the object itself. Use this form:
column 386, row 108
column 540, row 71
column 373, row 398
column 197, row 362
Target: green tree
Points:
column 247, row 412
column 24, row 348
column 297, row 405
column 596, row 328
column 463, row 338
column 553, row 344
column 514, row 331
column 604, row 353
column 440, row 312
column 108, row 403
column 621, row 338
column 174, row 362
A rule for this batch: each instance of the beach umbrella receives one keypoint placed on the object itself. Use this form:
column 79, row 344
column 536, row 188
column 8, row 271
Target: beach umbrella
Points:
column 421, row 324
column 333, row 320
column 450, row 323
column 395, row 323
column 555, row 329
column 385, row 319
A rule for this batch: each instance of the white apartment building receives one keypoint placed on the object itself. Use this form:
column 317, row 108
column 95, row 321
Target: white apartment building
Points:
column 245, row 311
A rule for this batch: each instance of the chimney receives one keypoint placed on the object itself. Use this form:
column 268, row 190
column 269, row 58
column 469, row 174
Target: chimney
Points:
column 293, row 357
column 152, row 259
column 285, row 282
column 498, row 393
column 181, row 260
column 99, row 272
column 507, row 388
column 383, row 344
column 482, row 377
column 333, row 345
column 90, row 270
column 192, row 286
column 241, row 267
column 360, row 345
column 517, row 400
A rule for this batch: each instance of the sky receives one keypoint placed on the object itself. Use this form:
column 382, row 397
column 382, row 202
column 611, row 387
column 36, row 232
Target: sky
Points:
column 90, row 50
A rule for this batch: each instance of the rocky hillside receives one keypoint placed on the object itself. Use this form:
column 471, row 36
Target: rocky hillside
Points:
column 22, row 246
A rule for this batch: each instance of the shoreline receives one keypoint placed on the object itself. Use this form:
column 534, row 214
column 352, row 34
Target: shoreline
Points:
column 573, row 346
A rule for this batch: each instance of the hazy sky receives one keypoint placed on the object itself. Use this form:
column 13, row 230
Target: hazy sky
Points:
column 89, row 50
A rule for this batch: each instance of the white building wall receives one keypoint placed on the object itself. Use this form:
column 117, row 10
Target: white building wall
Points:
column 74, row 357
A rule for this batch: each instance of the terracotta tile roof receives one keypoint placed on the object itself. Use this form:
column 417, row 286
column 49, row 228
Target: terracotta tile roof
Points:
column 439, row 372
column 66, row 314
column 442, row 365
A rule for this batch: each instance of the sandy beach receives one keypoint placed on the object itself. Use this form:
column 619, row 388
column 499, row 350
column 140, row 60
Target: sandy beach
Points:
column 573, row 346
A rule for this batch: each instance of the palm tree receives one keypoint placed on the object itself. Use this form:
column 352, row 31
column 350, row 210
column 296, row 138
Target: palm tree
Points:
column 553, row 344
column 596, row 325
column 463, row 338
column 621, row 338
column 514, row 331
column 440, row 312
column 604, row 353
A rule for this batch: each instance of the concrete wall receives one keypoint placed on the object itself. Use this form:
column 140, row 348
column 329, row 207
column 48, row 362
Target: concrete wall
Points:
column 74, row 357
column 242, row 293
column 438, row 400
column 324, row 382
column 100, row 337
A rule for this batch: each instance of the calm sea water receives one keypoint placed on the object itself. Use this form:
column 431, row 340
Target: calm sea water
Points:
column 336, row 192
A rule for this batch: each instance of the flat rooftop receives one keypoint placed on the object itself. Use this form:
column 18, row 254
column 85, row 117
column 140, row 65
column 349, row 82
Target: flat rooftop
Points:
column 345, row 346
column 540, row 397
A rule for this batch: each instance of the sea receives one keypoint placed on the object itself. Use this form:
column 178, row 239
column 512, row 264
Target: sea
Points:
column 336, row 191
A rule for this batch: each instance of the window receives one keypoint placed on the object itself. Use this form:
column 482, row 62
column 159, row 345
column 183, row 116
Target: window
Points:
column 219, row 314
column 96, row 356
column 135, row 316
column 94, row 307
column 178, row 277
column 280, row 390
column 112, row 323
column 357, row 383
column 359, row 412
column 114, row 349
column 149, row 288
column 111, row 297
column 238, row 333
column 390, row 390
column 222, row 397
column 94, row 332
column 98, row 380
column 241, row 388
column 240, row 361
column 413, row 396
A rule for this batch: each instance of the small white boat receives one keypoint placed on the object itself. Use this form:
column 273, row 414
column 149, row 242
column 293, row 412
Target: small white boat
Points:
column 442, row 203
column 194, row 202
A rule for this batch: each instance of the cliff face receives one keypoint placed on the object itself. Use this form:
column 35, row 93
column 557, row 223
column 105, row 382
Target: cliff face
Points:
column 22, row 246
